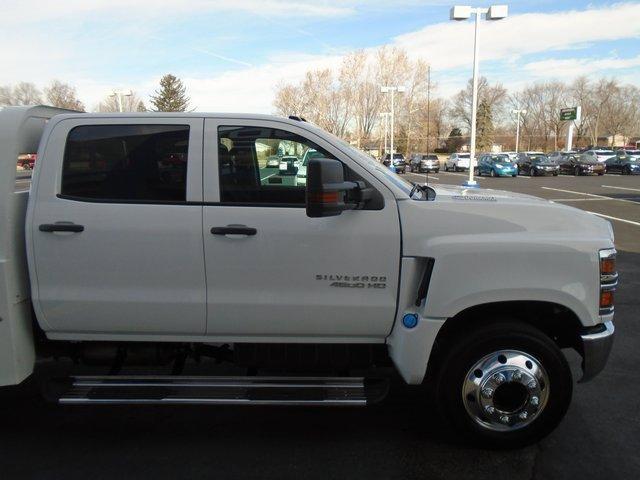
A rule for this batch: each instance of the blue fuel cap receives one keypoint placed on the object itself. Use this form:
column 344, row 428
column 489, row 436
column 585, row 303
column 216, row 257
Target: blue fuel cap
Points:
column 410, row 320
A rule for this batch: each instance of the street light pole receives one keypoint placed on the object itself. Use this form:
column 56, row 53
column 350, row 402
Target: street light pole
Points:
column 385, row 116
column 392, row 90
column 119, row 94
column 495, row 12
column 518, row 112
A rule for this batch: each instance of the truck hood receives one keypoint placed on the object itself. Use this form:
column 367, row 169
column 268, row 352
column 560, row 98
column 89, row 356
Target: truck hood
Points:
column 460, row 214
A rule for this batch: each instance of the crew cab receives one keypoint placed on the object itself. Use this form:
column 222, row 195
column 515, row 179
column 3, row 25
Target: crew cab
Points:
column 321, row 292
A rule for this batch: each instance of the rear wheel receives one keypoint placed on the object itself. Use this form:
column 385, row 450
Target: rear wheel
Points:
column 505, row 384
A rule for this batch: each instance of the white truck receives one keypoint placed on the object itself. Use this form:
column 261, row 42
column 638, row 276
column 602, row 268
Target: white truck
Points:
column 149, row 239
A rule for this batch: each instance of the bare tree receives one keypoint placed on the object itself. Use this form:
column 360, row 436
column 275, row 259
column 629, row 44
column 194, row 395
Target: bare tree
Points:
column 26, row 93
column 494, row 96
column 63, row 95
column 6, row 95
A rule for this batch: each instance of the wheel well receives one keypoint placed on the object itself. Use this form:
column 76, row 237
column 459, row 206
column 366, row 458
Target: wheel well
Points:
column 556, row 321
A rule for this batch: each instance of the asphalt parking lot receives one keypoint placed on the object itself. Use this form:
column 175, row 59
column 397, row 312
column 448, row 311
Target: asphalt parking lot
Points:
column 403, row 438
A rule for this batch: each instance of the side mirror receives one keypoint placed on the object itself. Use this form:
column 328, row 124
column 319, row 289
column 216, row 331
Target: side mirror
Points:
column 326, row 188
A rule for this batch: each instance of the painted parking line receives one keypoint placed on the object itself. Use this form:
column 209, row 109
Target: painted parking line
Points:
column 637, row 224
column 591, row 195
column 268, row 176
column 622, row 188
column 421, row 175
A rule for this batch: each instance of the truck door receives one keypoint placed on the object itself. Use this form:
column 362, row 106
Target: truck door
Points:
column 116, row 228
column 273, row 272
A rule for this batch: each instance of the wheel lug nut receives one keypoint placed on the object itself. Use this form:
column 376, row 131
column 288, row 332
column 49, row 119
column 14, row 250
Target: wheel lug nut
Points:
column 532, row 384
column 523, row 415
column 517, row 376
column 489, row 409
column 499, row 378
column 487, row 392
column 534, row 401
column 504, row 419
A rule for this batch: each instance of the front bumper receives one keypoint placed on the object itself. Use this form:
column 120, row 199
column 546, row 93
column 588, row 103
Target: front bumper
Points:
column 506, row 173
column 596, row 347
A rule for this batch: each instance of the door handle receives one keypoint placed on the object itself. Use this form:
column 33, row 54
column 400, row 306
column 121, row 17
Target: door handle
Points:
column 234, row 230
column 61, row 227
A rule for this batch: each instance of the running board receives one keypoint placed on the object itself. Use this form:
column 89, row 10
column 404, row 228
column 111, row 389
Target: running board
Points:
column 176, row 390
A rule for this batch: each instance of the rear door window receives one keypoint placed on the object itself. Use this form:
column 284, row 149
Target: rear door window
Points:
column 137, row 163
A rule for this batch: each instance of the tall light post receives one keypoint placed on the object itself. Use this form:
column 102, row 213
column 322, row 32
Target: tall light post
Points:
column 385, row 116
column 518, row 112
column 119, row 94
column 392, row 90
column 494, row 12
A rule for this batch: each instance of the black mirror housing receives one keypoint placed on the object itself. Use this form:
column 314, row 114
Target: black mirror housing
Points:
column 326, row 188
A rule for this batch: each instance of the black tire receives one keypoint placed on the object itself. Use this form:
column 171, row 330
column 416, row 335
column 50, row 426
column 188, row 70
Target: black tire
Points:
column 467, row 348
column 576, row 171
column 626, row 170
column 532, row 172
column 493, row 173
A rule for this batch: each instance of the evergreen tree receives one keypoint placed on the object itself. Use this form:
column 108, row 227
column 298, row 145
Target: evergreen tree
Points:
column 171, row 97
column 455, row 140
column 141, row 107
column 484, row 127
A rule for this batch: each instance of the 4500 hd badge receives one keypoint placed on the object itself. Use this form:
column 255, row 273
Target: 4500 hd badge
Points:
column 354, row 281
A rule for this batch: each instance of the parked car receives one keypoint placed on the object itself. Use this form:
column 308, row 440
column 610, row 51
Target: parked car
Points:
column 559, row 156
column 581, row 165
column 288, row 165
column 422, row 162
column 496, row 165
column 361, row 271
column 27, row 160
column 536, row 164
column 513, row 156
column 598, row 155
column 273, row 161
column 399, row 163
column 459, row 162
column 301, row 176
column 625, row 162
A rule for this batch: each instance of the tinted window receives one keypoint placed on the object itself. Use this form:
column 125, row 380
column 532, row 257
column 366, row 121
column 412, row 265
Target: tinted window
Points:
column 126, row 162
column 244, row 174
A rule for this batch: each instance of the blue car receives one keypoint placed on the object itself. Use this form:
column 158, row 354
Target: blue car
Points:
column 496, row 165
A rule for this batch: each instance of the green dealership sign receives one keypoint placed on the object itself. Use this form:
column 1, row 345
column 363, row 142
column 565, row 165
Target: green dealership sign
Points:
column 567, row 114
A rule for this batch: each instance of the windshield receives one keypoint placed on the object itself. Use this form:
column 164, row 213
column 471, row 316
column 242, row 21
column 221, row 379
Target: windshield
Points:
column 539, row 158
column 429, row 157
column 604, row 152
column 464, row 155
column 500, row 158
column 398, row 156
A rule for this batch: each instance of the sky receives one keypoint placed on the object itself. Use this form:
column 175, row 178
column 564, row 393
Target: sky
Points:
column 232, row 54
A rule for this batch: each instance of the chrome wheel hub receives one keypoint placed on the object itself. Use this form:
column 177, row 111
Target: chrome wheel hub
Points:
column 505, row 390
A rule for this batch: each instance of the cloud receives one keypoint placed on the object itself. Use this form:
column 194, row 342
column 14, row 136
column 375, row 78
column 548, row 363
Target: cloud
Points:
column 573, row 67
column 449, row 45
column 38, row 10
column 93, row 62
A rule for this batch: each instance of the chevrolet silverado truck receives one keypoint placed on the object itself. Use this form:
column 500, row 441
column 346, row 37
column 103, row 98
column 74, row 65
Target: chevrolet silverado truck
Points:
column 319, row 293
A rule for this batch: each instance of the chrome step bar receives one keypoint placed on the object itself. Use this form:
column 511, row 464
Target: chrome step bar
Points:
column 177, row 390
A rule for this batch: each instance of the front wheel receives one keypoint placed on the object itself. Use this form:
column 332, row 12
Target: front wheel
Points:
column 627, row 170
column 493, row 173
column 505, row 384
column 576, row 171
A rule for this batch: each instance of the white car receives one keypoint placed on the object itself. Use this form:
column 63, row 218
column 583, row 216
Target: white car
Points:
column 512, row 155
column 288, row 165
column 459, row 162
column 301, row 176
column 598, row 154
